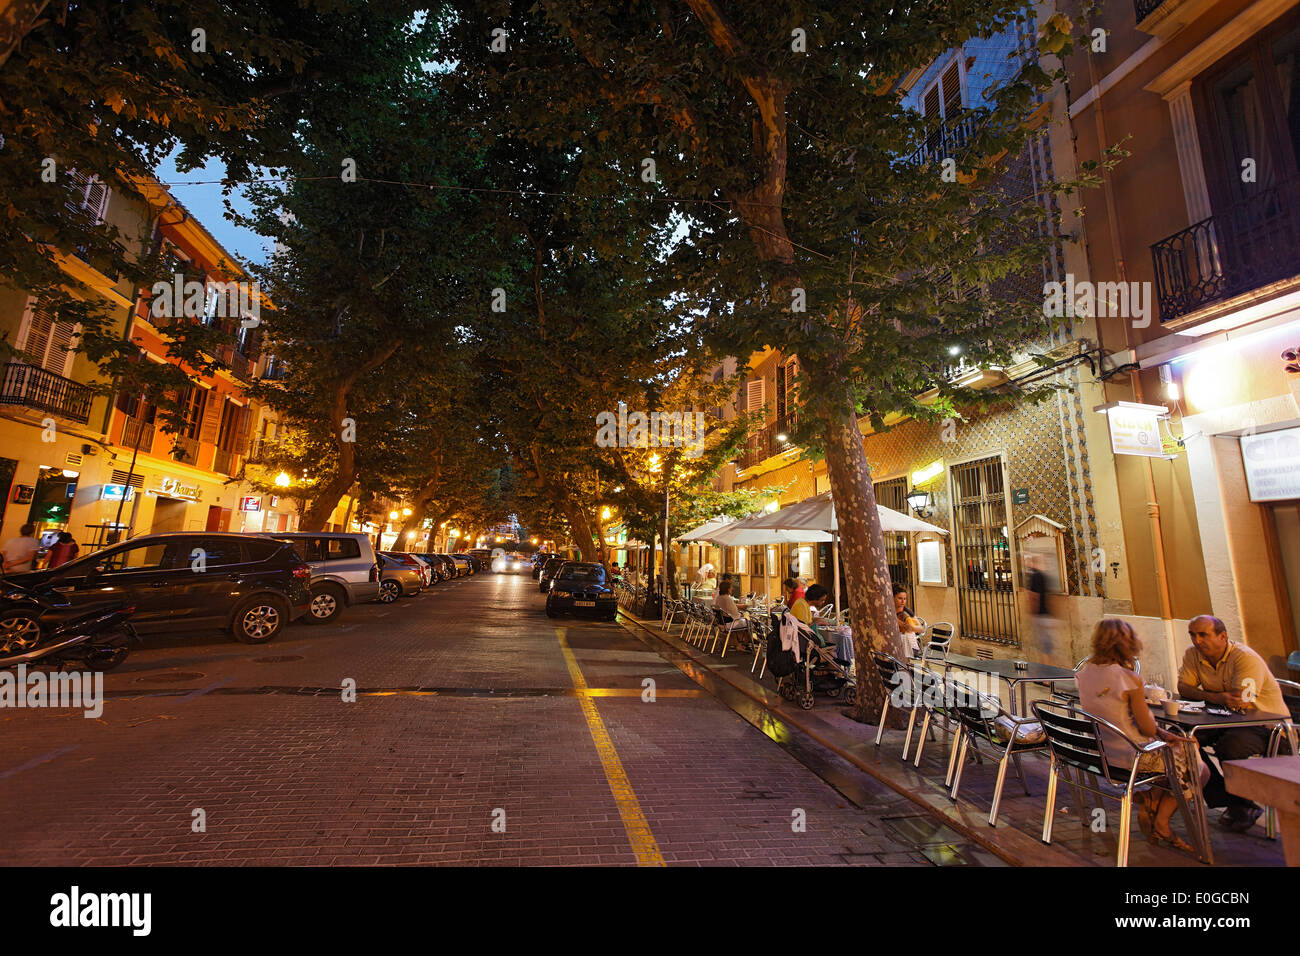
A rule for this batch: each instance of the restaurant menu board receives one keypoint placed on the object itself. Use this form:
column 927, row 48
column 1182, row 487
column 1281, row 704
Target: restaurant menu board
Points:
column 929, row 562
column 1272, row 461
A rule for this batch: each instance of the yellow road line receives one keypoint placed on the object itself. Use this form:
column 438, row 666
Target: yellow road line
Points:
column 629, row 808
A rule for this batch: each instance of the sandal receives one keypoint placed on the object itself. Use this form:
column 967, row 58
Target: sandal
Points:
column 1147, row 819
column 1169, row 839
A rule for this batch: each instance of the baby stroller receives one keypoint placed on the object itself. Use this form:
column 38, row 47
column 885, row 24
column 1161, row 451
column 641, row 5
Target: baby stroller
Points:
column 817, row 669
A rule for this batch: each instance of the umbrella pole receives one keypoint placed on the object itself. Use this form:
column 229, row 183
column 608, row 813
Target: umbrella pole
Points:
column 835, row 563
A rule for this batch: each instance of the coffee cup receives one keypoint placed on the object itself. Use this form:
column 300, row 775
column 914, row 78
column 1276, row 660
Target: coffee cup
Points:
column 1171, row 707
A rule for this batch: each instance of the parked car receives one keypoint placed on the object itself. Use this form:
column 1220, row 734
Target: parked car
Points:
column 539, row 560
column 249, row 585
column 397, row 578
column 414, row 561
column 344, row 570
column 464, row 564
column 444, row 565
column 483, row 556
column 578, row 587
column 550, row 567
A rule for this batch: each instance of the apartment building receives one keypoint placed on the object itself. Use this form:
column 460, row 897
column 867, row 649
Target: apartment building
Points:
column 1205, row 214
column 100, row 465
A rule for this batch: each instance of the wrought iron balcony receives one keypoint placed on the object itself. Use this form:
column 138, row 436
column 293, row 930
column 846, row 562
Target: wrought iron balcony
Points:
column 34, row 387
column 185, row 449
column 765, row 443
column 948, row 140
column 1144, row 8
column 1250, row 244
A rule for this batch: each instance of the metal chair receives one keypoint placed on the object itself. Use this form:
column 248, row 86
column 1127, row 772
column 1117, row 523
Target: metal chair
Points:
column 936, row 701
column 758, row 629
column 901, row 691
column 1291, row 696
column 937, row 642
column 1075, row 741
column 981, row 717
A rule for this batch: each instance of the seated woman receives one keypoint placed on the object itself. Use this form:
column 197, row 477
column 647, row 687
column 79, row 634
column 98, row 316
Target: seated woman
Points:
column 908, row 625
column 1110, row 688
column 826, row 631
column 725, row 603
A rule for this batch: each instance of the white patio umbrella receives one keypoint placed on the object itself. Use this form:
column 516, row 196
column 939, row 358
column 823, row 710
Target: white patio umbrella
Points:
column 705, row 531
column 746, row 532
column 816, row 515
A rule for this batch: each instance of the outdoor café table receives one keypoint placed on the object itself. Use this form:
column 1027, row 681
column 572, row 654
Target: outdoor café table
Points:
column 1194, row 722
column 1033, row 673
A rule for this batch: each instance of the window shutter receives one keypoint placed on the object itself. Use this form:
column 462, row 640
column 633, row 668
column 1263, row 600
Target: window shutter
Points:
column 245, row 426
column 211, row 419
column 952, row 89
column 930, row 104
column 756, row 395
column 47, row 340
column 96, row 200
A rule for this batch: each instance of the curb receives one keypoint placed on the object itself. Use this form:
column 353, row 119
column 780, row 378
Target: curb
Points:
column 1013, row 846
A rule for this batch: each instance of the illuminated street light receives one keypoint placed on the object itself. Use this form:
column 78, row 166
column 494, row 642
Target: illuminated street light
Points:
column 605, row 514
column 406, row 512
column 392, row 515
column 282, row 480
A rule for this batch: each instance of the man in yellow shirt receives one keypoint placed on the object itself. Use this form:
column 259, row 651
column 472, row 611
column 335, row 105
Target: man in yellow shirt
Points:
column 1226, row 673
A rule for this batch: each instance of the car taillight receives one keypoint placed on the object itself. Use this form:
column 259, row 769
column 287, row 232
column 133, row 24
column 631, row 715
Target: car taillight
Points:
column 302, row 572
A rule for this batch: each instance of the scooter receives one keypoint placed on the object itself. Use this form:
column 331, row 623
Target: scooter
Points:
column 96, row 640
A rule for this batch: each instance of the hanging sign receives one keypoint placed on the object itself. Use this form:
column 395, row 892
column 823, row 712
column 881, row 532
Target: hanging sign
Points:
column 1135, row 428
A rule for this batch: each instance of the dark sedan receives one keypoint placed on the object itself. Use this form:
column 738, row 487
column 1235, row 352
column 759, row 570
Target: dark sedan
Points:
column 581, row 588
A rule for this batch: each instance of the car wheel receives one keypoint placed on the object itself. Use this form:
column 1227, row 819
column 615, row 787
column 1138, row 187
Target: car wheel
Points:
column 612, row 616
column 551, row 612
column 389, row 591
column 326, row 603
column 259, row 619
column 19, row 632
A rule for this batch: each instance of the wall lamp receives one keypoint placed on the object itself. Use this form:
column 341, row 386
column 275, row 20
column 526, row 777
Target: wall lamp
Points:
column 921, row 503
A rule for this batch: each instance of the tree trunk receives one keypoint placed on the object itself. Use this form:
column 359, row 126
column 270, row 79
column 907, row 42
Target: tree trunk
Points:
column 327, row 499
column 16, row 21
column 673, row 591
column 863, row 557
column 581, row 528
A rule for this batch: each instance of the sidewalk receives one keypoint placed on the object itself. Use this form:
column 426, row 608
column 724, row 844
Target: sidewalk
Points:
column 1016, row 838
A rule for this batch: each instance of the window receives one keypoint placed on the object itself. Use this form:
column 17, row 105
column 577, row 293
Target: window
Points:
column 756, row 395
column 140, row 557
column 217, row 552
column 89, row 197
column 340, row 549
column 192, row 408
column 943, row 97
column 234, row 427
column 986, row 591
column 135, row 406
column 898, row 549
column 47, row 342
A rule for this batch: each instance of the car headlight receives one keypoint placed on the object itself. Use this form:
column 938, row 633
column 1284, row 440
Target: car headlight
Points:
column 560, row 593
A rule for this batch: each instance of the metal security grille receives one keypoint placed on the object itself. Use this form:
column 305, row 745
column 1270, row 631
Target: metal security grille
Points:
column 985, row 585
column 898, row 550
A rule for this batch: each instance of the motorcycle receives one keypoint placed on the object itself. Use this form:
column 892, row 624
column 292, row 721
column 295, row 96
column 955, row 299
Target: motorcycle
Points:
column 98, row 639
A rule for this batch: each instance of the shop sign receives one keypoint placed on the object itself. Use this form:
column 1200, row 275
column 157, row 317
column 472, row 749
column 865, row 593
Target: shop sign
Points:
column 1272, row 461
column 175, row 488
column 1020, row 496
column 23, row 494
column 1135, row 429
column 251, row 503
column 117, row 493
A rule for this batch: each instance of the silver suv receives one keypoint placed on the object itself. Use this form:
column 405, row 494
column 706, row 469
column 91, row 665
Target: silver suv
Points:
column 344, row 570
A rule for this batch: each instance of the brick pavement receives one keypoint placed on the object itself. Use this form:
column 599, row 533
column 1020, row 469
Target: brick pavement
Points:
column 288, row 773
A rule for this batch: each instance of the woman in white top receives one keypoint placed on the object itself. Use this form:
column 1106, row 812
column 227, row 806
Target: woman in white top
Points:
column 1110, row 688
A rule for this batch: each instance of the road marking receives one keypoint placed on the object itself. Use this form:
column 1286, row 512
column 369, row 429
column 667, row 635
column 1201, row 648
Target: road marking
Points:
column 643, row 841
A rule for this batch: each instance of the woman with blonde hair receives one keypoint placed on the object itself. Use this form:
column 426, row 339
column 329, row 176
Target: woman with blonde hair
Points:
column 1110, row 688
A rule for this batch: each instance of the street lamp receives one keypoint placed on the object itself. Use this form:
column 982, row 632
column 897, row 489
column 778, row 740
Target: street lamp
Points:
column 282, row 480
column 921, row 503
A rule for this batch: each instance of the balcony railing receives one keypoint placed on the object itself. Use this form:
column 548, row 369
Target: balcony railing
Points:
column 185, row 449
column 264, row 449
column 34, row 387
column 765, row 443
column 238, row 363
column 947, row 141
column 1144, row 8
column 1250, row 244
column 137, row 431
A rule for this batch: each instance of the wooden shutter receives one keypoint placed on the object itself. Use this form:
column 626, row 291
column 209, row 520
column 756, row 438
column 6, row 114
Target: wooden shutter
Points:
column 47, row 340
column 951, row 83
column 756, row 396
column 245, row 426
column 930, row 103
column 212, row 410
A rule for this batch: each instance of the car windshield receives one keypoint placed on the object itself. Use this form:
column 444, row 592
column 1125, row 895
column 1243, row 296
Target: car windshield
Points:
column 581, row 572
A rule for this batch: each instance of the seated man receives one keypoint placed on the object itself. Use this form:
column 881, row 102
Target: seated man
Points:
column 1227, row 673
